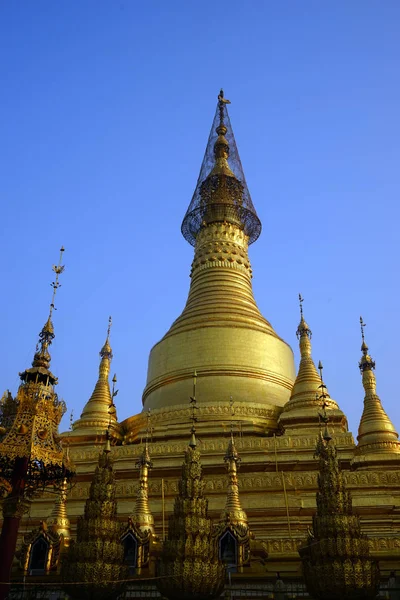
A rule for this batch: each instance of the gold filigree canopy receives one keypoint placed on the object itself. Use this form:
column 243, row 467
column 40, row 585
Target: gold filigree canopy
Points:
column 29, row 422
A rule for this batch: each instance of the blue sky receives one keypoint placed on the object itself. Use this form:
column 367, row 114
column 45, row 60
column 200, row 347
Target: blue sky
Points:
column 106, row 110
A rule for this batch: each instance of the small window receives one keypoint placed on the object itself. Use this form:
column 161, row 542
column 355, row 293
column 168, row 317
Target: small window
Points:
column 228, row 550
column 130, row 550
column 38, row 559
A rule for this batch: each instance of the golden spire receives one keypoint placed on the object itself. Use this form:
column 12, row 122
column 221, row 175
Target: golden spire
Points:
column 233, row 512
column 100, row 412
column 58, row 520
column 42, row 358
column 377, row 436
column 302, row 409
column 143, row 519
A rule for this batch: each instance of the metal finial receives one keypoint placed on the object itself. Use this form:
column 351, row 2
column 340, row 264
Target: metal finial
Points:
column 112, row 408
column 323, row 396
column 363, row 325
column 58, row 269
column 301, row 300
column 221, row 102
column 148, row 426
column 232, row 414
column 109, row 327
column 193, row 405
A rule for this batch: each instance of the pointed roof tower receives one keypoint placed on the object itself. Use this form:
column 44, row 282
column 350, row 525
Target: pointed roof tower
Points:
column 336, row 559
column 221, row 313
column 378, row 442
column 99, row 410
column 301, row 412
column 233, row 511
column 143, row 519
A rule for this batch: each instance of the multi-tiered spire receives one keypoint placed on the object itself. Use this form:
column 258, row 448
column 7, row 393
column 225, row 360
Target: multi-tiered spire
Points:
column 96, row 558
column 301, row 412
column 221, row 313
column 99, row 411
column 378, row 442
column 336, row 561
column 189, row 565
column 29, row 422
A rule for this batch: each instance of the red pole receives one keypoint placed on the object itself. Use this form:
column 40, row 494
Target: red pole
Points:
column 14, row 506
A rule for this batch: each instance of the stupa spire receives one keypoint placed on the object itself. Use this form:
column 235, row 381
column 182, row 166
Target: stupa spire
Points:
column 233, row 511
column 143, row 518
column 99, row 411
column 377, row 437
column 302, row 409
column 42, row 358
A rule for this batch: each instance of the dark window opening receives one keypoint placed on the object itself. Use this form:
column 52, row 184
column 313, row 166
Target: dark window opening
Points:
column 38, row 559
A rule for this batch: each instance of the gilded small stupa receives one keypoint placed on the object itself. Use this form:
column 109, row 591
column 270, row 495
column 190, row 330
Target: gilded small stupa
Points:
column 378, row 442
column 301, row 413
column 100, row 411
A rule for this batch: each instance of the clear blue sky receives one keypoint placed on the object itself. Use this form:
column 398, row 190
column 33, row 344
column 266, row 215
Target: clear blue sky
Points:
column 105, row 112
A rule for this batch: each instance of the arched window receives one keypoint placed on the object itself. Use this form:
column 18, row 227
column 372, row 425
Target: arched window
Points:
column 130, row 550
column 228, row 550
column 39, row 554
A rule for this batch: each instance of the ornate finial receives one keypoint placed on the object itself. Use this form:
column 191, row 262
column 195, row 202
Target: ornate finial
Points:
column 362, row 328
column 113, row 410
column 193, row 405
column 301, row 300
column 366, row 363
column 107, row 447
column 303, row 329
column 232, row 453
column 58, row 269
column 46, row 336
column 323, row 398
column 106, row 351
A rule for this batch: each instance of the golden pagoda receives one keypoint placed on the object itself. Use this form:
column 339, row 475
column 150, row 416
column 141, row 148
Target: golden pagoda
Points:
column 236, row 352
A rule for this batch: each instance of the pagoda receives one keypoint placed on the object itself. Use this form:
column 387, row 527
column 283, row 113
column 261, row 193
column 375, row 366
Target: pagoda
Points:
column 235, row 351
